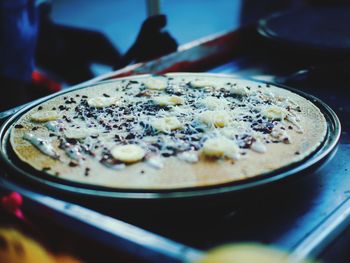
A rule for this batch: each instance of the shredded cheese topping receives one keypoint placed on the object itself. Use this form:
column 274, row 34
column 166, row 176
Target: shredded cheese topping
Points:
column 164, row 117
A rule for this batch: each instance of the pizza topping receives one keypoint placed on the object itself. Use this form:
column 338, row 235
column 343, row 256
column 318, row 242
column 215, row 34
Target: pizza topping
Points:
column 55, row 126
column 220, row 147
column 190, row 156
column 144, row 93
column 130, row 153
column 72, row 148
column 294, row 120
column 156, row 83
column 112, row 163
column 213, row 103
column 74, row 152
column 216, row 119
column 163, row 117
column 168, row 100
column 41, row 144
column 101, row 102
column 76, row 133
column 44, row 116
column 87, row 171
column 239, row 90
column 156, row 162
column 258, row 147
column 73, row 164
column 274, row 113
column 166, row 124
column 199, row 83
column 280, row 134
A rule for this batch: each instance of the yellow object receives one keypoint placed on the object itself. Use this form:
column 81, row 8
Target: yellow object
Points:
column 130, row 153
column 166, row 124
column 247, row 253
column 101, row 102
column 168, row 100
column 16, row 248
column 220, row 147
column 66, row 259
column 44, row 116
column 217, row 118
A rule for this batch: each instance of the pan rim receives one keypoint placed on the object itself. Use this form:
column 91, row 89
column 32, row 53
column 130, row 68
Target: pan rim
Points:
column 327, row 146
column 266, row 32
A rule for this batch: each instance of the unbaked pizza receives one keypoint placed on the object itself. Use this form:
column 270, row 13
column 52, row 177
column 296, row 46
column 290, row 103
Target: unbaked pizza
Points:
column 167, row 132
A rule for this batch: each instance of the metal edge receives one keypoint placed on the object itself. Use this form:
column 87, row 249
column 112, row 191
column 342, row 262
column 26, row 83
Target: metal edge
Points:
column 263, row 30
column 320, row 237
column 107, row 230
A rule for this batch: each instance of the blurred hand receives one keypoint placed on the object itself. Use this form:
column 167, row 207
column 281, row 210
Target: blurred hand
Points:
column 151, row 42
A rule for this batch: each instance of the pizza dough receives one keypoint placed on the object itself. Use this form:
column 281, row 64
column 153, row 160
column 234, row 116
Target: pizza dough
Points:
column 167, row 132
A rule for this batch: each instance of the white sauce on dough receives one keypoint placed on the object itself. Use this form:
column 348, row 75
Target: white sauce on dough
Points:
column 251, row 120
column 43, row 145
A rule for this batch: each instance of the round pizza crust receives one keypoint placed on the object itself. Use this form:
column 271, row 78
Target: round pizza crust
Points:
column 174, row 172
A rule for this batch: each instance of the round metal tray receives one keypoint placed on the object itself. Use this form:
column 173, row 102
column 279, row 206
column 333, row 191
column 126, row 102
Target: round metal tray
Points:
column 326, row 30
column 23, row 172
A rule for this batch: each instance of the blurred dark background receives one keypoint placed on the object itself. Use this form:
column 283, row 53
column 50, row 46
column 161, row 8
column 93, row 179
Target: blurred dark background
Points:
column 121, row 20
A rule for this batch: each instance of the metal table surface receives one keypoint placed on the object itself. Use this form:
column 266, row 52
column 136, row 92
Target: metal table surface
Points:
column 287, row 216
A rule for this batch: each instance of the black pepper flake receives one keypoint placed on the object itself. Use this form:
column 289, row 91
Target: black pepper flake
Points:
column 66, row 118
column 40, row 108
column 34, row 128
column 297, row 153
column 142, row 171
column 19, row 126
column 262, row 127
column 106, row 95
column 118, row 137
column 130, row 136
column 70, row 101
column 72, row 164
column 84, row 96
column 248, row 141
column 72, row 141
column 46, row 169
column 286, row 140
column 145, row 93
column 87, row 171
